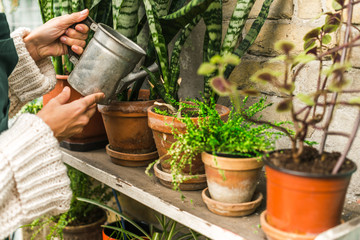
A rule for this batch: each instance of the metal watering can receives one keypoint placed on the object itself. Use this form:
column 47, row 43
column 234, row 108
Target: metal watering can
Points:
column 106, row 64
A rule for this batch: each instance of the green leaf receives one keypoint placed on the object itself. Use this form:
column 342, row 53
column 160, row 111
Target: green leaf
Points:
column 304, row 58
column 221, row 86
column 355, row 100
column 216, row 59
column 330, row 28
column 337, row 4
column 326, row 39
column 284, row 46
column 250, row 92
column 314, row 33
column 309, row 43
column 284, row 106
column 306, row 99
column 264, row 76
column 288, row 88
column 231, row 59
column 338, row 84
column 206, row 69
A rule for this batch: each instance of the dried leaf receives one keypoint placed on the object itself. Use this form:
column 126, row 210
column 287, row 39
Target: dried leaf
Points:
column 250, row 92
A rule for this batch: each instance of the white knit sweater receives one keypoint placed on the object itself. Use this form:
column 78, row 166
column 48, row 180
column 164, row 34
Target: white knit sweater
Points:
column 33, row 179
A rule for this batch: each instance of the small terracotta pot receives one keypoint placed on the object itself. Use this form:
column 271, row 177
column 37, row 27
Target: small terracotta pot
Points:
column 161, row 127
column 126, row 125
column 89, row 232
column 276, row 234
column 304, row 203
column 231, row 179
column 94, row 131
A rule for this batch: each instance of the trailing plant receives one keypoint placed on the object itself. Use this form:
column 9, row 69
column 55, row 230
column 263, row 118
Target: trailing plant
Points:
column 32, row 107
column 80, row 212
column 317, row 108
column 168, row 231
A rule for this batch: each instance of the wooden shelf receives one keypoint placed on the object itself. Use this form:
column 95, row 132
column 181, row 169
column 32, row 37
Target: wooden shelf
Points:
column 192, row 213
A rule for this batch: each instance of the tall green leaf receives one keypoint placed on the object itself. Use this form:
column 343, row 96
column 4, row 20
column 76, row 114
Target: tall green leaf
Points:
column 252, row 34
column 125, row 18
column 236, row 25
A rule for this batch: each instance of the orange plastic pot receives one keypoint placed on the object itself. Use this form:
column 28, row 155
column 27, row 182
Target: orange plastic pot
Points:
column 111, row 234
column 231, row 179
column 304, row 203
column 162, row 127
column 94, row 130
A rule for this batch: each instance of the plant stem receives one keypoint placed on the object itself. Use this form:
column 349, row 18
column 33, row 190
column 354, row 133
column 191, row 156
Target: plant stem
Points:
column 335, row 94
column 348, row 145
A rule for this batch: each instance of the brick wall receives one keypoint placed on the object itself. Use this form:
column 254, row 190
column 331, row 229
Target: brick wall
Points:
column 288, row 20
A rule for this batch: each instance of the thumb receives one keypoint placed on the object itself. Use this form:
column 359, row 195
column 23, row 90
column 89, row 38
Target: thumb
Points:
column 64, row 96
column 76, row 17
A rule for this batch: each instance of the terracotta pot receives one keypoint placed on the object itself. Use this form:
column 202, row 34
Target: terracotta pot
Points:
column 276, row 234
column 231, row 179
column 110, row 234
column 161, row 127
column 89, row 232
column 126, row 125
column 304, row 203
column 94, row 131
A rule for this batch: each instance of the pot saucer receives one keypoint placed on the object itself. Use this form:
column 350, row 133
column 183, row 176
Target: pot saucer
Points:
column 165, row 178
column 276, row 234
column 131, row 159
column 231, row 209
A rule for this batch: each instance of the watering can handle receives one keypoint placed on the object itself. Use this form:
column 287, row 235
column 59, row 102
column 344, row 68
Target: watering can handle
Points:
column 74, row 58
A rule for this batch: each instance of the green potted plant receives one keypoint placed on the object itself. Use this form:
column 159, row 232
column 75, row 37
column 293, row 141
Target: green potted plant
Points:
column 306, row 187
column 167, row 84
column 231, row 150
column 121, row 230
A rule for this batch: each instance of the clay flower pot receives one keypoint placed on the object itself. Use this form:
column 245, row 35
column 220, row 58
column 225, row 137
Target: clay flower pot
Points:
column 161, row 127
column 231, row 179
column 90, row 231
column 304, row 203
column 130, row 139
column 93, row 135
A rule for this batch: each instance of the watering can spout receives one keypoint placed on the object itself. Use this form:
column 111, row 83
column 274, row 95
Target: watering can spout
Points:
column 132, row 77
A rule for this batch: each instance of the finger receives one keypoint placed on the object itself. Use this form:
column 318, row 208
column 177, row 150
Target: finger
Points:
column 82, row 28
column 73, row 18
column 64, row 96
column 72, row 33
column 93, row 98
column 71, row 41
column 90, row 112
column 76, row 49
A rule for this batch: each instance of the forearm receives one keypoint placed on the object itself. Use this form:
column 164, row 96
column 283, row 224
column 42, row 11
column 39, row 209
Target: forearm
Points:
column 30, row 79
column 33, row 179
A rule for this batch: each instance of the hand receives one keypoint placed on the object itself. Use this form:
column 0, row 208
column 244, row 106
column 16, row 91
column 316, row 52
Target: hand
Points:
column 53, row 37
column 67, row 119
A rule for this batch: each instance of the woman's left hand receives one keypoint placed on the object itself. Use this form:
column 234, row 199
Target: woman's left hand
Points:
column 53, row 37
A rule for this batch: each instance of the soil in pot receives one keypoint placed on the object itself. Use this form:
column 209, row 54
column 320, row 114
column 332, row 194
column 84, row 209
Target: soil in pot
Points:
column 90, row 231
column 162, row 127
column 126, row 125
column 93, row 135
column 231, row 179
column 301, row 202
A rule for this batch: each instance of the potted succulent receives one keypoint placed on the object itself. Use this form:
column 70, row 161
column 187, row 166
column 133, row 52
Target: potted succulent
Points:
column 231, row 150
column 306, row 187
column 121, row 230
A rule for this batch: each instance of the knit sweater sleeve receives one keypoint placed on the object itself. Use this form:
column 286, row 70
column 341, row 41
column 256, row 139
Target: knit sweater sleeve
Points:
column 33, row 179
column 30, row 79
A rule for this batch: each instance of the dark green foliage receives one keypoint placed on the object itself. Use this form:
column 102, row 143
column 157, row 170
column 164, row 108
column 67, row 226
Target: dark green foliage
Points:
column 33, row 107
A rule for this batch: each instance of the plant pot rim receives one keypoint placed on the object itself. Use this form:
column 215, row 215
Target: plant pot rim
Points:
column 228, row 155
column 99, row 222
column 231, row 163
column 306, row 174
column 277, row 234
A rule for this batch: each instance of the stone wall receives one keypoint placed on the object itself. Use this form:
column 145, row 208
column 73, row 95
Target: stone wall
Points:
column 288, row 20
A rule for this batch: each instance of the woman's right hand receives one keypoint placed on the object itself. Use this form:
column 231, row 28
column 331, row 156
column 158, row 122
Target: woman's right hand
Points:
column 67, row 119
